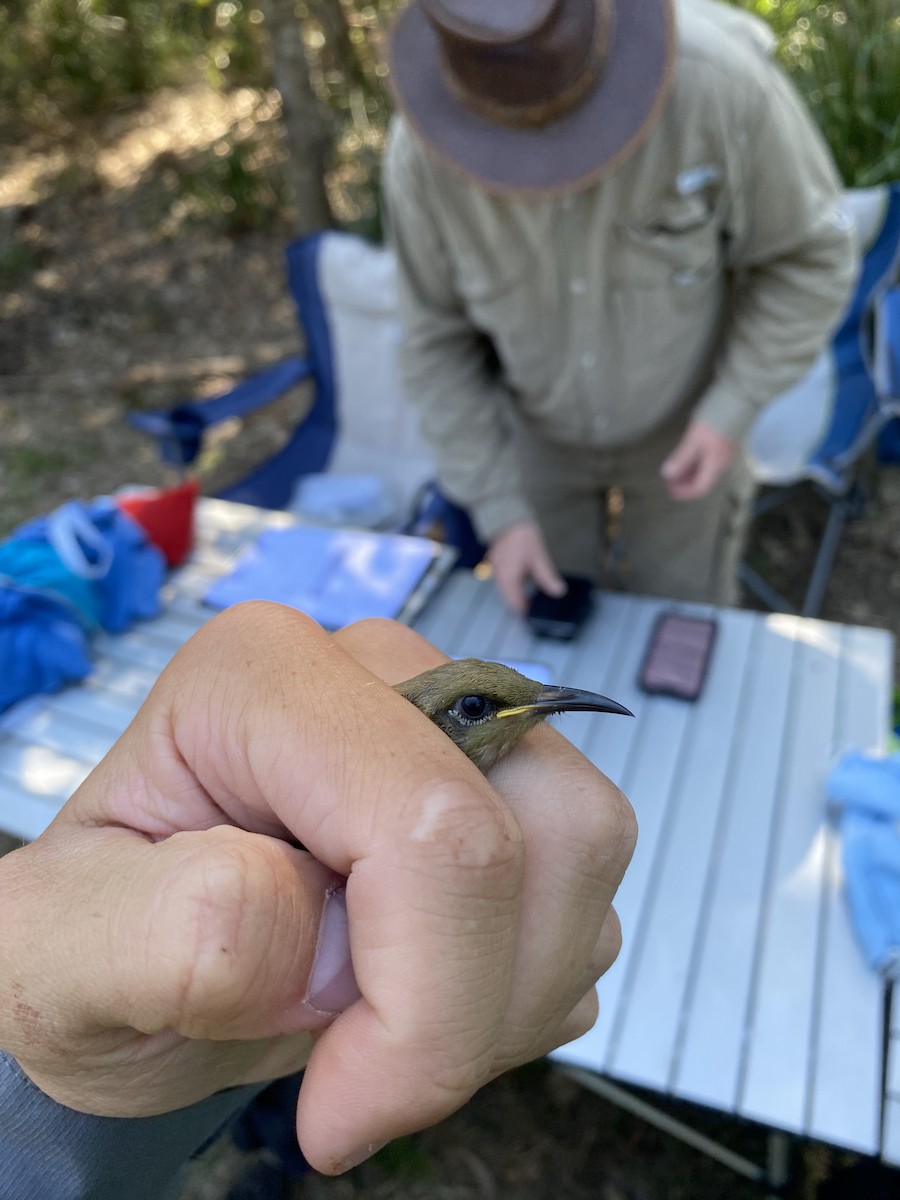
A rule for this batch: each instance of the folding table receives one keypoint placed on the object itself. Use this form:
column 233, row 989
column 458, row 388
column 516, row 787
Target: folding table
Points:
column 739, row 985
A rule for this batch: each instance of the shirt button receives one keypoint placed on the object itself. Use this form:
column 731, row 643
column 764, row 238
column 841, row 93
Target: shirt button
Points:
column 589, row 361
column 601, row 422
column 578, row 286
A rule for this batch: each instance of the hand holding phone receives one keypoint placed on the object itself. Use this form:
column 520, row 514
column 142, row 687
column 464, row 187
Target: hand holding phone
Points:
column 561, row 617
column 678, row 656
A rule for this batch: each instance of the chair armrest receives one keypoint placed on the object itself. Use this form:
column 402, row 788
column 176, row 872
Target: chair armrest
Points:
column 887, row 344
column 179, row 430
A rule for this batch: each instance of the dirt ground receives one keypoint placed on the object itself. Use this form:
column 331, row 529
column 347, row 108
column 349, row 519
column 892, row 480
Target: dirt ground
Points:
column 115, row 294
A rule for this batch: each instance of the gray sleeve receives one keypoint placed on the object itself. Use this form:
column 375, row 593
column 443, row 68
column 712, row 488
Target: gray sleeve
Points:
column 49, row 1152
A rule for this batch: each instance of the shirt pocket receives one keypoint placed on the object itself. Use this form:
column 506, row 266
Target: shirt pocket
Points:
column 665, row 305
column 678, row 249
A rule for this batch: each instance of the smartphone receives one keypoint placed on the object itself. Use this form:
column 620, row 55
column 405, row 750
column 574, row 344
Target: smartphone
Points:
column 561, row 617
column 678, row 656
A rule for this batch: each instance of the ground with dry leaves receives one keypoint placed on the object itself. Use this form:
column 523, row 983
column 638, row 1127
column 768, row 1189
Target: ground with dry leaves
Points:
column 116, row 292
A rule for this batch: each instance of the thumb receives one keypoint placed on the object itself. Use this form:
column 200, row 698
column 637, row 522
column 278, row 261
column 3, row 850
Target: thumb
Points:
column 210, row 933
column 545, row 574
column 681, row 461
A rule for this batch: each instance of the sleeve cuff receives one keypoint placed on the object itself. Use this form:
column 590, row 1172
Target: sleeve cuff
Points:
column 727, row 413
column 50, row 1152
column 492, row 517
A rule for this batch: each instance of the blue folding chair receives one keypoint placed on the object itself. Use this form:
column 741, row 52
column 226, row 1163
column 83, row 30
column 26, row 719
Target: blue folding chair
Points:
column 887, row 368
column 359, row 422
column 818, row 434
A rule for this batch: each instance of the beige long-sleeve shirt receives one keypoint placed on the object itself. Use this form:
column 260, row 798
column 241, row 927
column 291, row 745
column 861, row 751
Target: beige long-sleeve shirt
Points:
column 706, row 271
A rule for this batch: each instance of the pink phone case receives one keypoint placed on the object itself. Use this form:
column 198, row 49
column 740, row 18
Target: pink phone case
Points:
column 678, row 656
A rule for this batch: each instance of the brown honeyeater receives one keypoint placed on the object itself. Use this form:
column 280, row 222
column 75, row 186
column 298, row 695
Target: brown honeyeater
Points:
column 486, row 707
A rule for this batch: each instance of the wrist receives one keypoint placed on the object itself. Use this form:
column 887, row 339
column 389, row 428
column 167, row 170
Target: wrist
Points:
column 14, row 972
column 495, row 517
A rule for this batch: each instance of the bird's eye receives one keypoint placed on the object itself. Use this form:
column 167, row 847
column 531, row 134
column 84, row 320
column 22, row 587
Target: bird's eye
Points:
column 473, row 710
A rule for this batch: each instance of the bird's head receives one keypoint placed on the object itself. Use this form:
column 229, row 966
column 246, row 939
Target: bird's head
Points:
column 485, row 707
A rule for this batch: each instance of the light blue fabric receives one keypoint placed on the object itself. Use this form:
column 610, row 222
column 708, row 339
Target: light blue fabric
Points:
column 866, row 792
column 48, row 1152
column 335, row 576
column 866, row 784
column 871, row 851
column 42, row 644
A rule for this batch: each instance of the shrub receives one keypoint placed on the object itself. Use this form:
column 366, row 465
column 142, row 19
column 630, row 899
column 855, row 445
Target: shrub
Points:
column 844, row 57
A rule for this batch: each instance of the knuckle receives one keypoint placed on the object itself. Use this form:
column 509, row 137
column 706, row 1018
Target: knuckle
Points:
column 582, row 1018
column 606, row 950
column 468, row 828
column 453, row 1082
column 613, row 825
column 603, row 823
column 626, row 820
column 210, row 952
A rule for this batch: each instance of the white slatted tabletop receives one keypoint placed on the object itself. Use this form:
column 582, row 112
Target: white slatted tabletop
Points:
column 739, row 984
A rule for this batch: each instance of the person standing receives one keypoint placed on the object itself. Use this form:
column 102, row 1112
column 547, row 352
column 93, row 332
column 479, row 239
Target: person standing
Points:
column 618, row 237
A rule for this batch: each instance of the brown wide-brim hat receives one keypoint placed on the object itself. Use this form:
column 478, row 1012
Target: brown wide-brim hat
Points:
column 533, row 96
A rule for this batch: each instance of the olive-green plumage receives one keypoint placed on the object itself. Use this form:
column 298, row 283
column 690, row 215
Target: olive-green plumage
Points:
column 485, row 707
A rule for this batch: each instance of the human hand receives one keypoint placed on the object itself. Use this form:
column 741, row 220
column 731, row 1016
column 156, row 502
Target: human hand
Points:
column 698, row 462
column 159, row 938
column 518, row 556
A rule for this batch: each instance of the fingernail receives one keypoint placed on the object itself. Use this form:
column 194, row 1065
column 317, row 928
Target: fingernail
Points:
column 332, row 983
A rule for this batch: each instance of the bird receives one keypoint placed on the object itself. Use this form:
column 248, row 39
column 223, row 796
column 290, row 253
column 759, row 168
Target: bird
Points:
column 486, row 707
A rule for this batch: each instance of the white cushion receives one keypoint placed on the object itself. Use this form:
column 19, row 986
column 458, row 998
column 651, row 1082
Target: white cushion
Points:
column 789, row 429
column 379, row 425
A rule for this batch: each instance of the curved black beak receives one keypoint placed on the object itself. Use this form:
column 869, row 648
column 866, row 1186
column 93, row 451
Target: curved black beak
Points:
column 552, row 699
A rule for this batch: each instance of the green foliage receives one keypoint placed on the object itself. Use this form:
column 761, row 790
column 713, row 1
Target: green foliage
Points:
column 26, row 473
column 60, row 58
column 25, row 462
column 229, row 187
column 16, row 263
column 844, row 57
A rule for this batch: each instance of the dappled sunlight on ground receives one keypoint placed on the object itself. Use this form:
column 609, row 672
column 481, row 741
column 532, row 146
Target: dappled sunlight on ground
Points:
column 180, row 122
column 171, row 121
column 119, row 292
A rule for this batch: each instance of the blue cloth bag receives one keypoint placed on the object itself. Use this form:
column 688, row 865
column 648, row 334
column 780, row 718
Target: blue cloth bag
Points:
column 42, row 644
column 62, row 577
column 866, row 792
column 33, row 563
column 131, row 586
column 101, row 546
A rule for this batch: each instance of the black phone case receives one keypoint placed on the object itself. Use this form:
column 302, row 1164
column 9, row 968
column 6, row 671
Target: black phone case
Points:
column 677, row 658
column 561, row 617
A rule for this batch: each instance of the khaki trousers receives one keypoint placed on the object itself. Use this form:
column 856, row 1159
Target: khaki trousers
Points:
column 685, row 550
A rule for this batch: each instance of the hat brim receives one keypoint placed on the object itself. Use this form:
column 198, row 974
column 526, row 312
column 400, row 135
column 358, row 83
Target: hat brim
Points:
column 570, row 152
